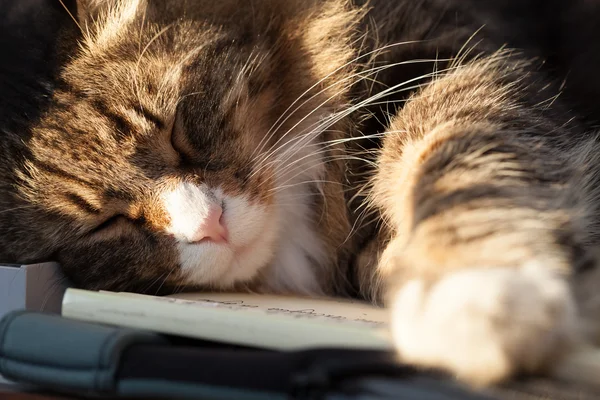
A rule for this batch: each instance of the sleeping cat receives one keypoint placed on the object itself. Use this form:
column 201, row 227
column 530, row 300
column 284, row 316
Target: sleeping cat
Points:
column 392, row 150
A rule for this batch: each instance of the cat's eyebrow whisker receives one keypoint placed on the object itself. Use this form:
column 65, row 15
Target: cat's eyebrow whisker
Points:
column 142, row 29
column 176, row 70
column 181, row 98
column 252, row 62
column 139, row 60
column 275, row 125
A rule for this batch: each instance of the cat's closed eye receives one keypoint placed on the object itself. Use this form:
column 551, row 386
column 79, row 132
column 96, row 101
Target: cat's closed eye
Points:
column 179, row 142
column 112, row 226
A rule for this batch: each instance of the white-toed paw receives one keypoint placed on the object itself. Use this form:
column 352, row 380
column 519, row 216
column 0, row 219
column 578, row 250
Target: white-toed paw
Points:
column 484, row 325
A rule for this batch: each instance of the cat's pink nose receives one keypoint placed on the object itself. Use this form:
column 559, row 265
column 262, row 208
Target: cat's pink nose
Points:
column 211, row 228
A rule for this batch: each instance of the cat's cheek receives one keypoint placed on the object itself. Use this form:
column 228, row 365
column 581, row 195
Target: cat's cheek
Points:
column 484, row 325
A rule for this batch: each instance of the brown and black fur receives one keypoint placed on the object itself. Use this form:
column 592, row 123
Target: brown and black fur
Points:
column 483, row 157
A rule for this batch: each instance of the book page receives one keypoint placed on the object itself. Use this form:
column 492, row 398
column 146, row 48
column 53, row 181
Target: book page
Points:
column 276, row 322
column 326, row 309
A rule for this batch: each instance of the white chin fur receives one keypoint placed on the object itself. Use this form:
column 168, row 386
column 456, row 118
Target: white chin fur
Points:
column 484, row 324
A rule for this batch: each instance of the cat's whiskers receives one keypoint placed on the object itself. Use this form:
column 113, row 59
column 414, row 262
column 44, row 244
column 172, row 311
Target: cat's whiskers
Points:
column 304, row 169
column 359, row 222
column 277, row 124
column 324, row 149
column 147, row 287
column 165, row 280
column 362, row 76
column 342, row 114
column 309, row 181
column 333, row 157
column 323, row 146
column 464, row 51
column 336, row 117
column 298, row 142
column 252, row 63
column 365, row 205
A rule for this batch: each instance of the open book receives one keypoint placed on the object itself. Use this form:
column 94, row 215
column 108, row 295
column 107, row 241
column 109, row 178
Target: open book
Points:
column 265, row 321
column 273, row 322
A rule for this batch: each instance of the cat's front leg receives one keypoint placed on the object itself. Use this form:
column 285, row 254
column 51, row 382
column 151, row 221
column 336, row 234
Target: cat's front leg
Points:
column 486, row 230
column 481, row 320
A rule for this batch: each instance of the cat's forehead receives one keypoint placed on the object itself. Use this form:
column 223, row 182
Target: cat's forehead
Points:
column 145, row 52
column 175, row 26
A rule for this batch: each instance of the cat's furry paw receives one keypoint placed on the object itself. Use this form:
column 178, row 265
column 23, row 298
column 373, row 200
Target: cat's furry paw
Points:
column 485, row 324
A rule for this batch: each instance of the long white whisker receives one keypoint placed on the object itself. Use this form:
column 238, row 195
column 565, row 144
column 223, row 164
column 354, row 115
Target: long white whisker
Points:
column 286, row 186
column 378, row 50
column 391, row 90
column 368, row 72
column 323, row 147
column 318, row 165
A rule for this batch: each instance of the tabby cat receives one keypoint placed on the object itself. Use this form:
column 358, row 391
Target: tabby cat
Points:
column 401, row 151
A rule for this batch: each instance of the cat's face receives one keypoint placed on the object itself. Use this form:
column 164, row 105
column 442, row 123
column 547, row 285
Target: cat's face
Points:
column 165, row 156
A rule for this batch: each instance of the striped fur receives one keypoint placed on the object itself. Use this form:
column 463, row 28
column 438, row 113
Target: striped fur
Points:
column 390, row 150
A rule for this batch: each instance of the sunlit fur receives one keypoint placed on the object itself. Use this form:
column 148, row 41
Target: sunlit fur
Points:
column 395, row 150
